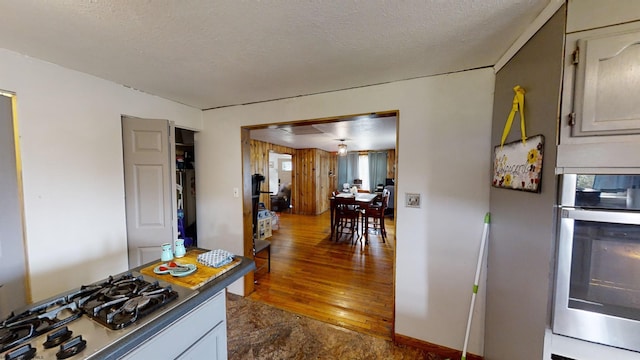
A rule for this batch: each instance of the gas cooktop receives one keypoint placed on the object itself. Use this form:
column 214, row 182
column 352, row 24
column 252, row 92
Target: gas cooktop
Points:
column 80, row 323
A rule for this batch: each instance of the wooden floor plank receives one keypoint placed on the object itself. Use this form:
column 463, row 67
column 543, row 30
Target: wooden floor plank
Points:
column 342, row 283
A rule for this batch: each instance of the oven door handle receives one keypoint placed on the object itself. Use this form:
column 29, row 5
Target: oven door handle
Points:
column 617, row 217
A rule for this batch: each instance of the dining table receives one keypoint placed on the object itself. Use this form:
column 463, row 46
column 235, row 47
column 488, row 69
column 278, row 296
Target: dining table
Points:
column 363, row 200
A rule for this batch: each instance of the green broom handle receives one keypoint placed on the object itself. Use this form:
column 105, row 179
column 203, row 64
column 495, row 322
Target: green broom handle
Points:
column 485, row 235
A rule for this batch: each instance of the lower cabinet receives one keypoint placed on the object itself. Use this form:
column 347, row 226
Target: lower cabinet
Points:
column 213, row 345
column 199, row 334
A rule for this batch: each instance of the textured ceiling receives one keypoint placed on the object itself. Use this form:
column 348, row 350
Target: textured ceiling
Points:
column 210, row 53
column 360, row 133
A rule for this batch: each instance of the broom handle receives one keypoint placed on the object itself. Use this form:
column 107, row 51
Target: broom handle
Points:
column 485, row 234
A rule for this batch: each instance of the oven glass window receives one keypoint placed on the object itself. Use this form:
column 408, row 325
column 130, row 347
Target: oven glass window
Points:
column 605, row 269
column 608, row 191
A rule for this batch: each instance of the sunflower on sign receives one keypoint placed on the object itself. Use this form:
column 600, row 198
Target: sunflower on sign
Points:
column 532, row 156
column 507, row 180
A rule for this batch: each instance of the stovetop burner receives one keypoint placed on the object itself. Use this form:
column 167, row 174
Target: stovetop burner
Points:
column 115, row 303
column 17, row 329
column 10, row 337
column 120, row 303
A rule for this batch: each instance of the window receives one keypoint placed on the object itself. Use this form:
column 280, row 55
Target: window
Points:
column 363, row 171
column 370, row 167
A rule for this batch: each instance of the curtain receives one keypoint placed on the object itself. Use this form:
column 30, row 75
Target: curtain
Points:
column 377, row 168
column 347, row 168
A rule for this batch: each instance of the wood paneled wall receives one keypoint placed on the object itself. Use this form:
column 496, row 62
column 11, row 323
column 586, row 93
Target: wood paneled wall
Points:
column 333, row 172
column 313, row 169
column 323, row 192
column 314, row 175
column 304, row 186
column 391, row 164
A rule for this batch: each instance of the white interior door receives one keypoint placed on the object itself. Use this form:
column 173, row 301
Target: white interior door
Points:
column 13, row 269
column 148, row 145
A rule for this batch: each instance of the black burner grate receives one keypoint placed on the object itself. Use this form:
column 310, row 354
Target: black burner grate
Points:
column 115, row 303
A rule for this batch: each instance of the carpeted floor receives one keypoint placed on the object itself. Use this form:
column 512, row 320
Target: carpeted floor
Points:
column 260, row 331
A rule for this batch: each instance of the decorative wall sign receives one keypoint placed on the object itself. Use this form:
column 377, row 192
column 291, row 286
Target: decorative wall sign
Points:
column 518, row 165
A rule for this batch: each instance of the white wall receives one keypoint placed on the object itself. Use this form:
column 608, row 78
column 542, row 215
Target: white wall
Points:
column 443, row 154
column 70, row 138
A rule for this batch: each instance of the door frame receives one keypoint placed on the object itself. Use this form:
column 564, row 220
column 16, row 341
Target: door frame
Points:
column 28, row 296
column 247, row 220
column 247, row 206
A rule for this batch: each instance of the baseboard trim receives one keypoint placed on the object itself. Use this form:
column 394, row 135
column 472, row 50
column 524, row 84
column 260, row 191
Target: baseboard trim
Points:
column 440, row 350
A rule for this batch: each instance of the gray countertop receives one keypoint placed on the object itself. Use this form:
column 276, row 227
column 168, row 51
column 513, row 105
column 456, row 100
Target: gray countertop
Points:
column 124, row 345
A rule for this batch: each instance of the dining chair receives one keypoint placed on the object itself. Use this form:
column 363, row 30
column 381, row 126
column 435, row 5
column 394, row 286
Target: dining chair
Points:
column 347, row 214
column 376, row 212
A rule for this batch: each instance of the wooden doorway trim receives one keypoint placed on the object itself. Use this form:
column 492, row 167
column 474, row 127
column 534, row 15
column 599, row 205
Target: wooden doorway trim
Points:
column 247, row 208
column 15, row 279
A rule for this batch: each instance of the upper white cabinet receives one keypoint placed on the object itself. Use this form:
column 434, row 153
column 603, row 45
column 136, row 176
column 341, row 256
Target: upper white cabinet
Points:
column 607, row 83
column 600, row 114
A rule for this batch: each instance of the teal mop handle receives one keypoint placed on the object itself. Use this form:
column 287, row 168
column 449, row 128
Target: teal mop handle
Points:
column 485, row 235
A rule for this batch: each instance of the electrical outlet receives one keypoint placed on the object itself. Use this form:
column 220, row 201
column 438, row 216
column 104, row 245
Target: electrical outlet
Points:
column 236, row 192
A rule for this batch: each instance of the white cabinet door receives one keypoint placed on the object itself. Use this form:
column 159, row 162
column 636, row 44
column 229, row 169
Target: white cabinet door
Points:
column 201, row 331
column 213, row 345
column 607, row 86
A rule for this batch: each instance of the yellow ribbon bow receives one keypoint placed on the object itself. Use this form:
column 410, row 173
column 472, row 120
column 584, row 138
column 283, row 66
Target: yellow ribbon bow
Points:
column 517, row 106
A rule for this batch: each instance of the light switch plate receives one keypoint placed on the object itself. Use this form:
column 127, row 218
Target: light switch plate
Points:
column 412, row 200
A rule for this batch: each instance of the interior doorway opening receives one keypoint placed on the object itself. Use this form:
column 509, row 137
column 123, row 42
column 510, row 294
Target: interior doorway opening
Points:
column 186, row 186
column 321, row 180
column 280, row 181
column 159, row 179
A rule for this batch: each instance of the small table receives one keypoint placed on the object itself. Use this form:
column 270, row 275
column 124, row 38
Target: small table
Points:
column 363, row 199
column 261, row 245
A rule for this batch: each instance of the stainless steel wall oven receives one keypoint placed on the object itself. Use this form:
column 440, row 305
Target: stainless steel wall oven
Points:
column 597, row 295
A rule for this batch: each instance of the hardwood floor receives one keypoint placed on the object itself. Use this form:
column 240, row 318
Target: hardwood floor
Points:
column 344, row 284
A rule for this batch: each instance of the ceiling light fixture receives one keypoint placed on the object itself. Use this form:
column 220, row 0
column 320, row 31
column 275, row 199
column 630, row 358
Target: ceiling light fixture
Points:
column 342, row 148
